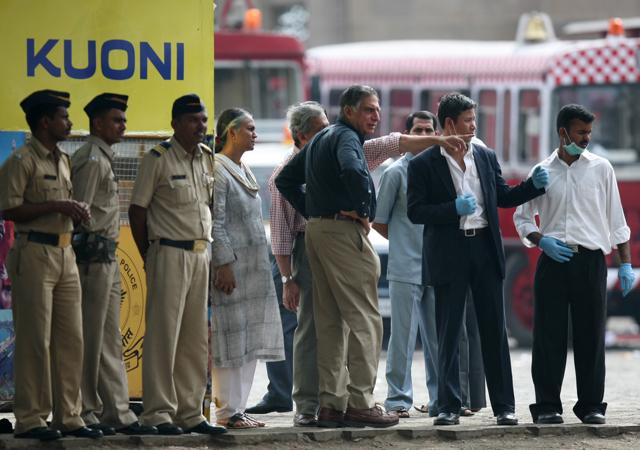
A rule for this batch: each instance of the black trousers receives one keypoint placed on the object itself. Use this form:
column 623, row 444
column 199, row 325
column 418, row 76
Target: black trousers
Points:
column 580, row 284
column 477, row 271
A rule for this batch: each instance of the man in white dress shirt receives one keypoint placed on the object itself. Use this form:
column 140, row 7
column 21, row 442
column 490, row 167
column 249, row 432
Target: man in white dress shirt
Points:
column 581, row 220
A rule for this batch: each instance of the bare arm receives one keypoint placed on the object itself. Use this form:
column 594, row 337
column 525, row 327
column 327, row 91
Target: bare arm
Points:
column 138, row 221
column 382, row 228
column 624, row 252
column 29, row 211
column 415, row 144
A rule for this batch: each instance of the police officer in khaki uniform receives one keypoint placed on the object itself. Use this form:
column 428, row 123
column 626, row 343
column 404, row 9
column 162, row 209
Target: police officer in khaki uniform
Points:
column 105, row 394
column 35, row 193
column 170, row 217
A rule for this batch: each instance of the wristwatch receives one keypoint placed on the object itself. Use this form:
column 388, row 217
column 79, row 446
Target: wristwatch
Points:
column 286, row 278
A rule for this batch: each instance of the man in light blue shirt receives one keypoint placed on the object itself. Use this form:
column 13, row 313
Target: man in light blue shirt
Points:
column 411, row 302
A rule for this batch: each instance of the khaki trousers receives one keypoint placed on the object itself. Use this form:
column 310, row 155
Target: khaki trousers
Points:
column 305, row 365
column 175, row 358
column 47, row 319
column 105, row 392
column 345, row 270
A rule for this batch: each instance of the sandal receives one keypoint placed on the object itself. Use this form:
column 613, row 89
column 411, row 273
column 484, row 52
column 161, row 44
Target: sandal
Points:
column 238, row 421
column 466, row 412
column 254, row 420
column 402, row 413
column 422, row 409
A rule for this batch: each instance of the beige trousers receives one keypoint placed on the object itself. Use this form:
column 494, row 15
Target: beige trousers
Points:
column 175, row 356
column 105, row 392
column 345, row 271
column 47, row 319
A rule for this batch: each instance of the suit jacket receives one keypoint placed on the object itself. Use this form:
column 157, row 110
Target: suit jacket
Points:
column 431, row 201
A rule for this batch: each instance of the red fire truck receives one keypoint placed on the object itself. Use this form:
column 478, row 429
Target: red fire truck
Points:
column 520, row 86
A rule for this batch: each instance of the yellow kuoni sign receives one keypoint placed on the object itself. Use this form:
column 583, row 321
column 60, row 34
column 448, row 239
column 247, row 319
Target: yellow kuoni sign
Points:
column 152, row 50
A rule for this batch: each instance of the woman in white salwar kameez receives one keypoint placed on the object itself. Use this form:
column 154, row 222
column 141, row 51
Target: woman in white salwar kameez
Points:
column 246, row 320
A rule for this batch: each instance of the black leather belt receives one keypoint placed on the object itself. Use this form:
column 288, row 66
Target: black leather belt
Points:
column 198, row 245
column 55, row 240
column 473, row 232
column 336, row 216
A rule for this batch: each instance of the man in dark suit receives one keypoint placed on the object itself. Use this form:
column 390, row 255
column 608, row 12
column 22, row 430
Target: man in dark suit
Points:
column 457, row 196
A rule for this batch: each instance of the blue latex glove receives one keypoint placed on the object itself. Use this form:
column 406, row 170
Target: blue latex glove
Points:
column 540, row 177
column 555, row 249
column 465, row 204
column 626, row 275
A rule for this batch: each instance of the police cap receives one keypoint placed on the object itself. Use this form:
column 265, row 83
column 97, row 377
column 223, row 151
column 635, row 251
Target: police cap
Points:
column 106, row 101
column 45, row 97
column 186, row 104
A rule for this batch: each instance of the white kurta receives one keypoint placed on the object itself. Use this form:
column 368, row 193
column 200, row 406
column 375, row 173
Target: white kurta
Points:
column 246, row 324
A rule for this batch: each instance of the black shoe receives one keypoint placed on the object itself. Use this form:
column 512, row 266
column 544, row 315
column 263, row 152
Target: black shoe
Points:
column 266, row 408
column 549, row 418
column 106, row 429
column 169, row 429
column 136, row 428
column 84, row 432
column 305, row 420
column 205, row 427
column 594, row 418
column 506, row 418
column 445, row 418
column 41, row 433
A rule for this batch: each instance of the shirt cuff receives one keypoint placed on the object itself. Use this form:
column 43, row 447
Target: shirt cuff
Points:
column 525, row 230
column 620, row 236
column 222, row 255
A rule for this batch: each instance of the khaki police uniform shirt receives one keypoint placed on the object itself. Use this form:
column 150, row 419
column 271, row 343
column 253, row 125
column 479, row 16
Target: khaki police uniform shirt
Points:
column 95, row 184
column 31, row 175
column 176, row 188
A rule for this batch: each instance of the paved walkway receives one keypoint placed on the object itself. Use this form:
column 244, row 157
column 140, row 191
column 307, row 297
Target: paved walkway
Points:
column 623, row 417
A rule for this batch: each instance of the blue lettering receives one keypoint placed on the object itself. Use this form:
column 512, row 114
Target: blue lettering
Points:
column 114, row 45
column 40, row 59
column 76, row 72
column 180, row 61
column 148, row 54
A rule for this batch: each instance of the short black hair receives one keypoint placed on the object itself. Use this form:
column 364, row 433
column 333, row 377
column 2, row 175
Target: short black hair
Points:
column 424, row 115
column 38, row 112
column 353, row 95
column 452, row 105
column 572, row 111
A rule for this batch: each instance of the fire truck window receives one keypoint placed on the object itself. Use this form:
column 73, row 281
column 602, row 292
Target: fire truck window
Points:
column 232, row 88
column 506, row 130
column 265, row 91
column 400, row 106
column 487, row 114
column 277, row 88
column 615, row 135
column 429, row 100
column 333, row 108
column 529, row 125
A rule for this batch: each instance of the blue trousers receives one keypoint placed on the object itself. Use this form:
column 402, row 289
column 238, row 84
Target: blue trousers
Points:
column 280, row 373
column 412, row 308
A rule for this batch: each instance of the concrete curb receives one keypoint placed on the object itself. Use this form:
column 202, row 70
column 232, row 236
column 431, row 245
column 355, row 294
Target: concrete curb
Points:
column 264, row 436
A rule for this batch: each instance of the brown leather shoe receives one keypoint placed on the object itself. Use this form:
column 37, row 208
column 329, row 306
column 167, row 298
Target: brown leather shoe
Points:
column 305, row 420
column 371, row 417
column 330, row 418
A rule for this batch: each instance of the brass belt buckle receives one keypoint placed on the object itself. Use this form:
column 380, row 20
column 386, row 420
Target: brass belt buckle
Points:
column 64, row 240
column 199, row 245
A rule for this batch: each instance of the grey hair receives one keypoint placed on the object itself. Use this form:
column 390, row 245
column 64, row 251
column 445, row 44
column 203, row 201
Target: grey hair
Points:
column 300, row 116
